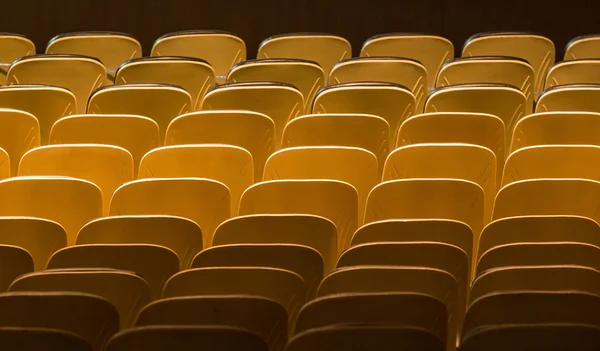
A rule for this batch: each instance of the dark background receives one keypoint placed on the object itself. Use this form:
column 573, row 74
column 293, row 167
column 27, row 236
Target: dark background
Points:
column 255, row 20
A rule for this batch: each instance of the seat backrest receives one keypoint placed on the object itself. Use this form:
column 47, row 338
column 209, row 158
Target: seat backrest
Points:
column 80, row 74
column 14, row 46
column 221, row 49
column 31, row 339
column 325, row 49
column 490, row 69
column 45, row 102
column 194, row 75
column 532, row 254
column 392, row 102
column 112, row 48
column 332, row 199
column 279, row 101
column 19, row 132
column 570, row 97
column 557, row 128
column 406, row 72
column 573, row 72
column 16, row 262
column 432, row 51
column 547, row 196
column 446, row 160
column 582, row 47
column 316, row 232
column 136, row 134
column 263, row 317
column 305, row 75
column 160, row 102
column 39, row 237
column 152, row 262
column 538, row 50
column 539, row 228
column 181, row 235
column 302, row 260
column 553, row 161
column 368, row 132
column 355, row 166
column 125, row 290
column 68, row 201
column 230, row 165
column 504, row 101
column 63, row 311
column 249, row 130
column 106, row 166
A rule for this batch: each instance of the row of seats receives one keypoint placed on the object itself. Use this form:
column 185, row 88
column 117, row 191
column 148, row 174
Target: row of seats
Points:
column 272, row 213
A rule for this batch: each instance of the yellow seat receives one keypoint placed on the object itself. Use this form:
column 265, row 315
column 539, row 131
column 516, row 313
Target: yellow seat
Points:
column 357, row 167
column 390, row 101
column 360, row 338
column 112, row 48
column 80, row 74
column 537, row 278
column 452, row 160
column 302, row 260
column 136, row 134
column 230, row 165
column 443, row 231
column 332, row 199
column 186, row 338
column 204, row 201
column 324, row 49
column 521, row 307
column 46, row 103
column 106, row 166
column 305, row 75
column 15, row 261
column 523, row 337
column 194, row 75
column 63, row 311
column 570, row 97
column 31, row 339
column 540, row 254
column 160, row 102
column 19, row 132
column 263, row 317
column 437, row 257
column 368, row 132
column 373, row 309
column 573, row 72
column 453, row 199
column 490, row 69
column 432, row 51
column 282, row 286
column 582, row 47
column 281, row 102
column 547, row 196
column 39, row 237
column 553, row 161
column 152, row 262
column 548, row 128
column 539, row 51
column 68, row 201
column 316, row 232
column 181, row 235
column 504, row 101
column 406, row 72
column 373, row 279
column 249, row 130
column 125, row 290
column 221, row 49
column 535, row 229
column 14, row 46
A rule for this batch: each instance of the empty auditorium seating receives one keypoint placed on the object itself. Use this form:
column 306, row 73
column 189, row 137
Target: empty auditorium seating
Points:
column 14, row 46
